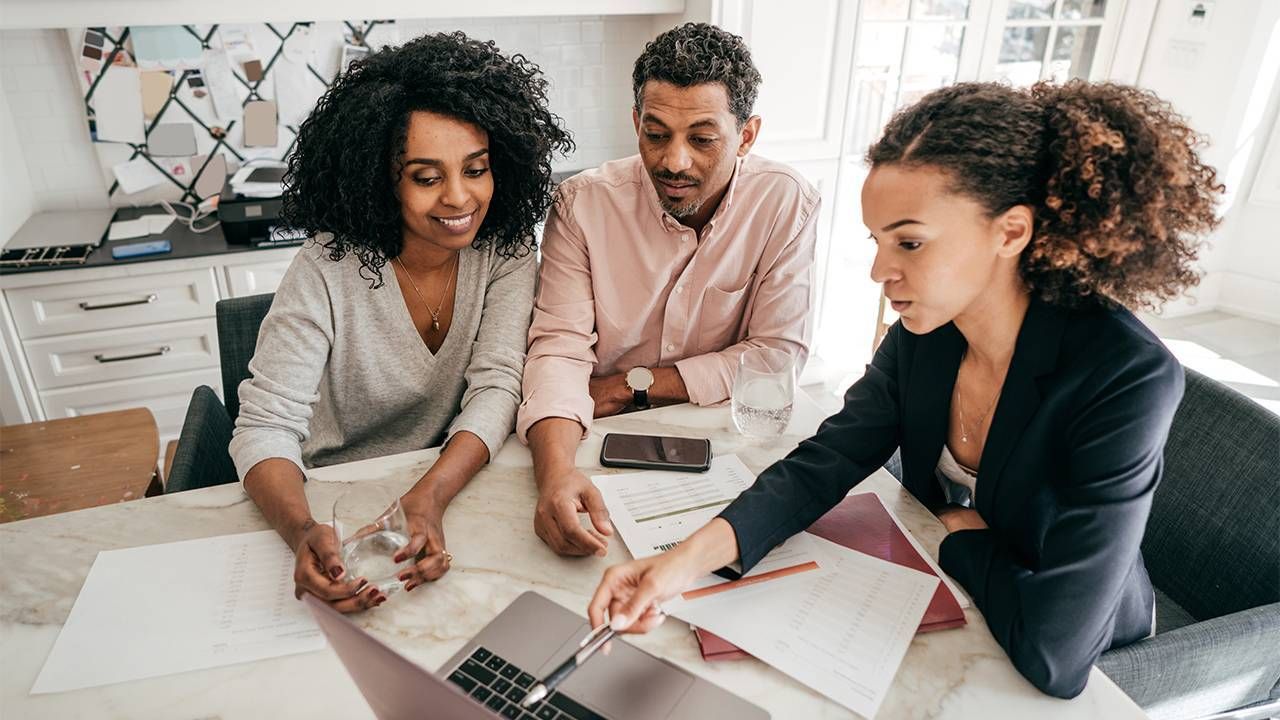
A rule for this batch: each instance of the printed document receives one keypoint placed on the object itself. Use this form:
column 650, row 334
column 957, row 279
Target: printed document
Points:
column 163, row 609
column 843, row 632
column 655, row 511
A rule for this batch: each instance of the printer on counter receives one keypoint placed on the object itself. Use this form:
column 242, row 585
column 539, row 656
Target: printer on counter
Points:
column 249, row 207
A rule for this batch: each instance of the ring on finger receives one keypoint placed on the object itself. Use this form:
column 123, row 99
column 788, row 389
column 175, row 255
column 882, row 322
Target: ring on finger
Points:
column 448, row 557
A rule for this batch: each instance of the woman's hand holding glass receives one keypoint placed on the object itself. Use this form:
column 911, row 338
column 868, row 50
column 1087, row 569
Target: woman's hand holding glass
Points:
column 425, row 515
column 319, row 570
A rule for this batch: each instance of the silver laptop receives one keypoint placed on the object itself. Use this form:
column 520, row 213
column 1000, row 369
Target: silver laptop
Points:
column 488, row 677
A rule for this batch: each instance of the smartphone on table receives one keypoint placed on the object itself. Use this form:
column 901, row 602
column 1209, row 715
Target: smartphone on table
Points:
column 656, row 452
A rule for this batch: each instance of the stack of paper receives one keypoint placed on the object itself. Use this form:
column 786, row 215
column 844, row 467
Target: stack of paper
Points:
column 841, row 621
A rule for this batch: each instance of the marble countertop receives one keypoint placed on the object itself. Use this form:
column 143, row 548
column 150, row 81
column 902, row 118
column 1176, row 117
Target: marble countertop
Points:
column 959, row 673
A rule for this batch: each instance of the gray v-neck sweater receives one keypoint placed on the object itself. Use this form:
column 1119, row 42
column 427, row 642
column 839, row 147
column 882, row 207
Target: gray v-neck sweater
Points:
column 341, row 374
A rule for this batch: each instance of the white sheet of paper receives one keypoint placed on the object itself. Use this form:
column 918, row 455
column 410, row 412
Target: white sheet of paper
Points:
column 163, row 609
column 843, row 632
column 221, row 82
column 117, row 106
column 129, row 229
column 796, row 559
column 157, row 224
column 655, row 510
column 137, row 175
column 296, row 90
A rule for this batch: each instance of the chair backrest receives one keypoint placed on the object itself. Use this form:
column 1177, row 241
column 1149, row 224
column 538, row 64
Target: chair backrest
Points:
column 1213, row 540
column 201, row 459
column 238, row 322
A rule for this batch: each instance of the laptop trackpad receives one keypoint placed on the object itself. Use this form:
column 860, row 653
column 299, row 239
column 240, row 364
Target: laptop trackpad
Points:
column 628, row 684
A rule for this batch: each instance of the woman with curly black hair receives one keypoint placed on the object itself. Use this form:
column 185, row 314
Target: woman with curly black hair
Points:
column 1030, row 408
column 420, row 175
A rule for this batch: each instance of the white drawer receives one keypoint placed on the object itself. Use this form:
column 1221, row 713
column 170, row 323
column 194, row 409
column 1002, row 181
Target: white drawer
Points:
column 105, row 355
column 166, row 396
column 255, row 279
column 113, row 303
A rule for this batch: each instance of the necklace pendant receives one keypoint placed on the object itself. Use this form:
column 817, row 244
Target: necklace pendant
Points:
column 435, row 324
column 964, row 438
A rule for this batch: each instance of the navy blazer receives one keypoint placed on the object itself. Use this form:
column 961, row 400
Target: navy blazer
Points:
column 1065, row 481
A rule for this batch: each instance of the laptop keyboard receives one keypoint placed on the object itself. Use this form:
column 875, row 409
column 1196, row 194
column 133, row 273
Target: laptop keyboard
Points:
column 500, row 686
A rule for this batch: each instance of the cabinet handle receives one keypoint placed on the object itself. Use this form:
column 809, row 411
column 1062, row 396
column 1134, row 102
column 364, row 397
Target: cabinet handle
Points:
column 164, row 350
column 144, row 301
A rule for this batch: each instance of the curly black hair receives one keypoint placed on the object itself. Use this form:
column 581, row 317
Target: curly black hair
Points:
column 349, row 156
column 1120, row 196
column 697, row 53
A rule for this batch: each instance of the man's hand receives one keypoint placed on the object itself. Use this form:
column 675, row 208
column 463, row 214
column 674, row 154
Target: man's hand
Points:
column 610, row 394
column 561, row 496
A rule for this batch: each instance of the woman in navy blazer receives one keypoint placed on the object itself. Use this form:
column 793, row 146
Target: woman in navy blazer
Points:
column 1030, row 407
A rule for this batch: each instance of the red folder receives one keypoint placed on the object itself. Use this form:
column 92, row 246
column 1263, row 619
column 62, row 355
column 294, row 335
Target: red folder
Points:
column 861, row 522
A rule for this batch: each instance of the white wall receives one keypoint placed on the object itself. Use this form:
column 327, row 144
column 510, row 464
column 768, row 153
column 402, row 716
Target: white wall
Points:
column 1223, row 78
column 587, row 60
column 16, row 198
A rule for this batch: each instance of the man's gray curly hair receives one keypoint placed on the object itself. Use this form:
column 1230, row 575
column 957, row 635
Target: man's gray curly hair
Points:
column 697, row 53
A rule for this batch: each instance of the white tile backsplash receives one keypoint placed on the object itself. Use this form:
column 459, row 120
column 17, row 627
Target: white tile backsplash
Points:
column 587, row 60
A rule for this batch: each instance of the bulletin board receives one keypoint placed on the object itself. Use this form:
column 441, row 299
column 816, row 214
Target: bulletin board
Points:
column 173, row 110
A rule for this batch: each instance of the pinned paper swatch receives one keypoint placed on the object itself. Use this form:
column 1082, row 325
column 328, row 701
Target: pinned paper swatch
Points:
column 260, row 124
column 172, row 139
column 137, row 175
column 165, row 46
column 155, row 91
column 213, row 178
column 253, row 70
column 92, row 51
column 117, row 106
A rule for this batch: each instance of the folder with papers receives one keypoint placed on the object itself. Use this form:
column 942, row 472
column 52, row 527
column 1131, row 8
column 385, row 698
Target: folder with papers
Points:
column 861, row 522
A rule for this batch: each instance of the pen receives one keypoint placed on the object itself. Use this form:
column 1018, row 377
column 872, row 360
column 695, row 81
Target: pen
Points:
column 594, row 640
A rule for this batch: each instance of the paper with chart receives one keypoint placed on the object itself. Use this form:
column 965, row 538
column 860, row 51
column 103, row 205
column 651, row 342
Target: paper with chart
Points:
column 843, row 633
column 655, row 511
column 163, row 609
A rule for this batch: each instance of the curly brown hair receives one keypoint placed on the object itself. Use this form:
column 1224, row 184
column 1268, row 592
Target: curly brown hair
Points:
column 697, row 53
column 1120, row 196
column 349, row 158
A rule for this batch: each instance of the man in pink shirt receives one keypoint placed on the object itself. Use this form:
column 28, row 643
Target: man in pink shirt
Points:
column 658, row 270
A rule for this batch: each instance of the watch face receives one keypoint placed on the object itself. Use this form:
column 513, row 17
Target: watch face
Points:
column 639, row 378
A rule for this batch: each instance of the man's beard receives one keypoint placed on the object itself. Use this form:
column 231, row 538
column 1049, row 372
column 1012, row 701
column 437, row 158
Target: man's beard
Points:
column 677, row 209
column 681, row 210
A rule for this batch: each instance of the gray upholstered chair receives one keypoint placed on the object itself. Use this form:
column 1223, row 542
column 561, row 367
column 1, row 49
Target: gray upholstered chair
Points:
column 1212, row 549
column 201, row 458
column 238, row 322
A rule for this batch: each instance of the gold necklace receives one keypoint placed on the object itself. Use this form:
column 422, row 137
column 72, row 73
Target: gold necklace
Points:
column 964, row 434
column 435, row 314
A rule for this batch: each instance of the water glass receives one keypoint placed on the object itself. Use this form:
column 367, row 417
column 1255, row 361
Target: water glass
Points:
column 763, row 392
column 368, row 547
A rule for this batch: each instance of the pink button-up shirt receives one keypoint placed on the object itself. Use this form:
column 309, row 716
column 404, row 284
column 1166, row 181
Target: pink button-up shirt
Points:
column 623, row 284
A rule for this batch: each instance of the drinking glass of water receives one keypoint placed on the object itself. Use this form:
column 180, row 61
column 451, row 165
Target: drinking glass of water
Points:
column 369, row 547
column 763, row 392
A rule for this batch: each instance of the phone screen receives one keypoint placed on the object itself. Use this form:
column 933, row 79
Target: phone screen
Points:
column 656, row 449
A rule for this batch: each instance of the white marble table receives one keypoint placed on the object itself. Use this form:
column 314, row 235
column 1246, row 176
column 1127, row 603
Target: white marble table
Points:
column 958, row 673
